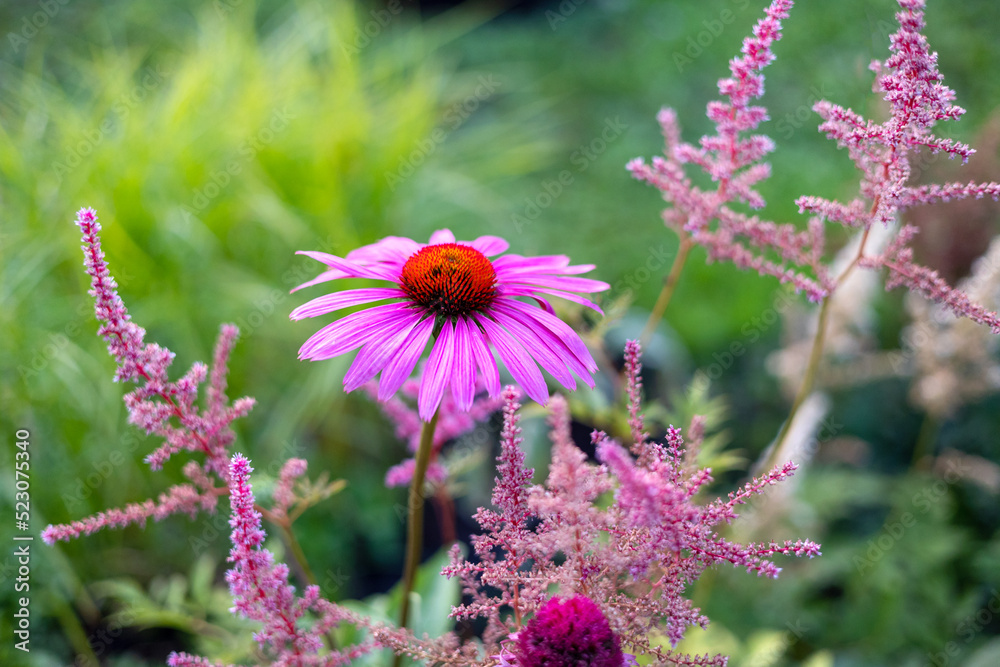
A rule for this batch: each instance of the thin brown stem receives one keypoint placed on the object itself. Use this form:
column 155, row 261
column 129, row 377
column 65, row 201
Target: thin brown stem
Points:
column 669, row 285
column 415, row 521
column 815, row 355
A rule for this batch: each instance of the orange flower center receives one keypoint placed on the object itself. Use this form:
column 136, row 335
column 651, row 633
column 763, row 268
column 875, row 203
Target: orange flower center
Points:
column 449, row 279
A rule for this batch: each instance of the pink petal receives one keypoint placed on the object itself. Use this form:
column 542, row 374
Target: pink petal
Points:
column 390, row 250
column 401, row 365
column 484, row 360
column 372, row 357
column 352, row 331
column 567, row 283
column 463, row 384
column 350, row 268
column 551, row 340
column 569, row 296
column 331, row 302
column 537, row 348
column 437, row 373
column 518, row 362
column 441, row 236
column 490, row 245
column 549, row 321
column 330, row 274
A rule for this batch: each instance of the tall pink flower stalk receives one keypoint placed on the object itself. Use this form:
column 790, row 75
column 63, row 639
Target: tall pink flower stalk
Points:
column 158, row 405
column 733, row 158
column 633, row 559
column 261, row 593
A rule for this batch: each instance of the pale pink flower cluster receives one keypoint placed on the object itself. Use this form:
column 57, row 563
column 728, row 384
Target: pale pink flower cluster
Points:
column 634, row 558
column 453, row 422
column 261, row 591
column 911, row 84
column 733, row 158
column 159, row 406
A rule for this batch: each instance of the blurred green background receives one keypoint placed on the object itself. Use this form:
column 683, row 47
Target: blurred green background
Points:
column 216, row 139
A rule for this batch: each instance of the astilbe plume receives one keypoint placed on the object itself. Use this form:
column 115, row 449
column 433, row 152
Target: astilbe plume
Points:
column 733, row 158
column 261, row 592
column 633, row 559
column 159, row 406
column 917, row 99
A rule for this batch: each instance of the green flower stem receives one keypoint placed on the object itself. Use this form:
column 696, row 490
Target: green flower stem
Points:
column 669, row 285
column 415, row 525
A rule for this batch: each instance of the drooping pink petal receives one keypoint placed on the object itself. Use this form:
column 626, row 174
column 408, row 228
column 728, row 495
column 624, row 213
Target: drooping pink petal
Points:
column 549, row 321
column 374, row 272
column 551, row 340
column 463, row 383
column 484, row 360
column 328, row 303
column 437, row 373
column 373, row 356
column 518, row 362
column 536, row 347
column 403, row 362
column 351, row 332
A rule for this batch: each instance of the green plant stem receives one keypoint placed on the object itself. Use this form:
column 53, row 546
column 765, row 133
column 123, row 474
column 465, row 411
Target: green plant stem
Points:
column 669, row 285
column 415, row 524
column 808, row 380
column 815, row 355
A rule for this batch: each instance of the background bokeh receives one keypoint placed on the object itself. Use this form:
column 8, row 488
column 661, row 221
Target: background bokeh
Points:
column 216, row 139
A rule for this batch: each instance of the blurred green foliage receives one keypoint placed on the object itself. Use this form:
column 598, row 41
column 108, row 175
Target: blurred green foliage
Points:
column 216, row 139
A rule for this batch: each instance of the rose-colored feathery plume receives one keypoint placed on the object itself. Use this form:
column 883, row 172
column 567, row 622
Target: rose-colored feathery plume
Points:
column 733, row 158
column 911, row 84
column 632, row 559
column 261, row 592
column 159, row 406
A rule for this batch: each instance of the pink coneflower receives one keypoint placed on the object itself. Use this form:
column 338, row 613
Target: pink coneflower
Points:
column 452, row 291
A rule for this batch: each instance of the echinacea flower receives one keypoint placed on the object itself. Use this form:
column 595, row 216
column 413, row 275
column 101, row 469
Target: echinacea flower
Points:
column 452, row 291
column 568, row 633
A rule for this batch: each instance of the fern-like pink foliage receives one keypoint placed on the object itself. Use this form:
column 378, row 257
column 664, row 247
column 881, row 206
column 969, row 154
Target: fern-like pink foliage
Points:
column 911, row 84
column 159, row 405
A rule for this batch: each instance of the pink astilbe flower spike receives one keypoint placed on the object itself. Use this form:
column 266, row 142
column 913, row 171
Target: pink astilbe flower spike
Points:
column 632, row 560
column 733, row 158
column 261, row 592
column 912, row 85
column 452, row 291
column 159, row 406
